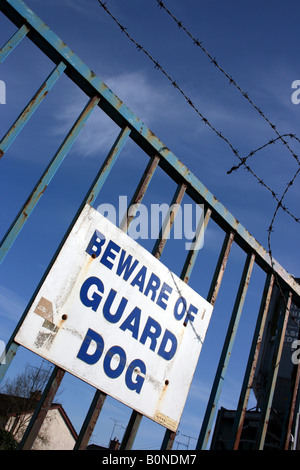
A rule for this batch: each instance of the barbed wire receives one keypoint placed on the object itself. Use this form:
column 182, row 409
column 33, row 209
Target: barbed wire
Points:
column 214, row 61
column 243, row 160
column 271, row 141
column 289, row 184
column 280, row 137
column 206, row 121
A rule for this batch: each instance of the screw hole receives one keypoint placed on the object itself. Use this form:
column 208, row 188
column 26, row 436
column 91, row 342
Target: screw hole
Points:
column 64, row 316
column 166, row 382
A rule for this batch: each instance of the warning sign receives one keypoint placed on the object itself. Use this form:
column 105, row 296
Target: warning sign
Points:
column 117, row 318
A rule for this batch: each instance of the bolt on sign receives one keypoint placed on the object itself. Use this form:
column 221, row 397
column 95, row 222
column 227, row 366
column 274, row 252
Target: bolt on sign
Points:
column 111, row 314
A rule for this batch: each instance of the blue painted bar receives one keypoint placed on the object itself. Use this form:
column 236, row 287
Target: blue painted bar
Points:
column 107, row 166
column 41, row 186
column 225, row 355
column 6, row 358
column 193, row 252
column 13, row 42
column 30, row 108
column 86, row 79
column 12, row 347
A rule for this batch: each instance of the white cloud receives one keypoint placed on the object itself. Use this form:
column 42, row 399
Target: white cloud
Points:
column 11, row 304
column 135, row 91
column 11, row 308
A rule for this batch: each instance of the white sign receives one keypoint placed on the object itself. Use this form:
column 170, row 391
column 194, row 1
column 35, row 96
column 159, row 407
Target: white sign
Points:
column 111, row 314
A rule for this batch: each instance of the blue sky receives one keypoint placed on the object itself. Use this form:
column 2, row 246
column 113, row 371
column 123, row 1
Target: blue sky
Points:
column 254, row 42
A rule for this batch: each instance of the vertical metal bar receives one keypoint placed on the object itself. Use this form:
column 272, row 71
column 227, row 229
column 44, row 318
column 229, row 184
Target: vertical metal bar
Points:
column 7, row 357
column 57, row 375
column 30, row 108
column 131, row 430
column 225, row 355
column 136, row 417
column 169, row 220
column 252, row 362
column 186, row 272
column 99, row 398
column 42, row 409
column 272, row 376
column 13, row 42
column 106, row 167
column 12, row 347
column 215, row 285
column 168, row 440
column 139, row 193
column 41, row 186
column 287, row 427
column 220, row 269
column 193, row 253
column 90, row 421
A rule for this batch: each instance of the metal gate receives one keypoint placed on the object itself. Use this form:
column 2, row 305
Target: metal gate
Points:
column 99, row 95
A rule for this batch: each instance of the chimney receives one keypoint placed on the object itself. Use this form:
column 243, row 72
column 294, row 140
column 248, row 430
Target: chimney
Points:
column 114, row 444
column 36, row 395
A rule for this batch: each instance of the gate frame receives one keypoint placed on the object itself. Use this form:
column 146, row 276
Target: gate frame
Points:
column 66, row 62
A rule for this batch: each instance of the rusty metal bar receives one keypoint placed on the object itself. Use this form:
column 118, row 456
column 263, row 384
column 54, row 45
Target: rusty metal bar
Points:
column 272, row 376
column 139, row 193
column 31, row 108
column 42, row 409
column 252, row 362
column 169, row 220
column 93, row 414
column 215, row 285
column 225, row 355
column 186, row 272
column 136, row 417
column 220, row 269
column 90, row 420
column 131, row 430
column 41, row 186
column 13, row 42
column 168, row 440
